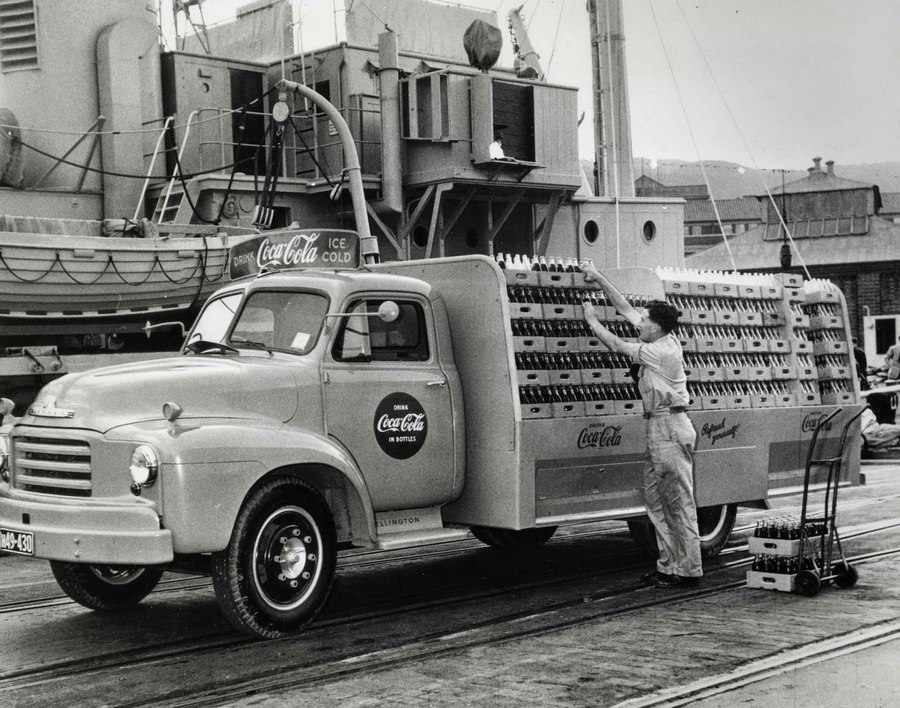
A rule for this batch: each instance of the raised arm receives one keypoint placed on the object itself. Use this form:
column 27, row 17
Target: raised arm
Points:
column 624, row 308
column 610, row 341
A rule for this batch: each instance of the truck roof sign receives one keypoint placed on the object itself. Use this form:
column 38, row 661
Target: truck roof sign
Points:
column 293, row 249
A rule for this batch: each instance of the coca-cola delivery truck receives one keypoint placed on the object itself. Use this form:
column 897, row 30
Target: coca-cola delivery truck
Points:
column 320, row 404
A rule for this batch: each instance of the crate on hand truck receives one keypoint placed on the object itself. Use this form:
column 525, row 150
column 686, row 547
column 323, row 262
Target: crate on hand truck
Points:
column 797, row 555
column 817, row 562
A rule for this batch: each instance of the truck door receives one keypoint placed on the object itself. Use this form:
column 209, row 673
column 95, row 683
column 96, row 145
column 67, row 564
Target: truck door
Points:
column 388, row 401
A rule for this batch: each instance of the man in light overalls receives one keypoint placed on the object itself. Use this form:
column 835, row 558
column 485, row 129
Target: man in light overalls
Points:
column 668, row 474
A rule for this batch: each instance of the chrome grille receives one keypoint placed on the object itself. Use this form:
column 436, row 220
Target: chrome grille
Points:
column 52, row 466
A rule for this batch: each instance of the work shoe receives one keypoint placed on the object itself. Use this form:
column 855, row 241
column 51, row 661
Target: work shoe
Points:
column 655, row 577
column 672, row 581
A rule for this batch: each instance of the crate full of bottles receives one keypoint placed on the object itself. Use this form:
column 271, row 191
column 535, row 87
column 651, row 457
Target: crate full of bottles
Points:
column 776, row 549
column 749, row 341
column 563, row 369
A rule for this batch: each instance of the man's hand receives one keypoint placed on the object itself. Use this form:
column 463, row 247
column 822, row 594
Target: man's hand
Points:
column 590, row 314
column 591, row 274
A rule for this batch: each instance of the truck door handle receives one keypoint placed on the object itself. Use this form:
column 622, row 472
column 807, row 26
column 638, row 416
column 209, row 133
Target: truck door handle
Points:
column 442, row 382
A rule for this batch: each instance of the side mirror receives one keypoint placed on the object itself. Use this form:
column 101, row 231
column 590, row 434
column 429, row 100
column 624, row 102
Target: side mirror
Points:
column 148, row 328
column 388, row 311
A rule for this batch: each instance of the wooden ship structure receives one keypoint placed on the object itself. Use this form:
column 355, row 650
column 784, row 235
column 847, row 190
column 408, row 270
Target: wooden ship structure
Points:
column 128, row 167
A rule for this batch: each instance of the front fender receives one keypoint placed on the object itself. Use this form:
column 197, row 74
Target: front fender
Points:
column 207, row 470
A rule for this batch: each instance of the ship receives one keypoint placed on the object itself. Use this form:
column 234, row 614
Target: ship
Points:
column 129, row 166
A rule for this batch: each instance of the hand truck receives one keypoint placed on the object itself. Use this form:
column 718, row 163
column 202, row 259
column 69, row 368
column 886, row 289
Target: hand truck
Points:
column 818, row 534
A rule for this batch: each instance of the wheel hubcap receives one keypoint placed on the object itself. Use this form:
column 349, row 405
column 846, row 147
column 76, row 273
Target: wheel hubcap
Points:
column 116, row 576
column 286, row 557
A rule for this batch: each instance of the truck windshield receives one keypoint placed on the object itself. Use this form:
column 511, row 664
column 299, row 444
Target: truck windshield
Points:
column 212, row 324
column 285, row 320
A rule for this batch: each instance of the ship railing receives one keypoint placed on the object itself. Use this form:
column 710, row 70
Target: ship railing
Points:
column 176, row 173
column 313, row 151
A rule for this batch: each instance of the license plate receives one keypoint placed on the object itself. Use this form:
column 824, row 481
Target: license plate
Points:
column 21, row 542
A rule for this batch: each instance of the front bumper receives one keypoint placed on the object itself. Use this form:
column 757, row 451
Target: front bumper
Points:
column 79, row 532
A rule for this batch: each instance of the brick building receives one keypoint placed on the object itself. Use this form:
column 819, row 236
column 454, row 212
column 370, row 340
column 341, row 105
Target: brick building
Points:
column 843, row 231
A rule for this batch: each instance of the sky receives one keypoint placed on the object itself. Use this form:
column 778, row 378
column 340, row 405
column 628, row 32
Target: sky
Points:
column 763, row 83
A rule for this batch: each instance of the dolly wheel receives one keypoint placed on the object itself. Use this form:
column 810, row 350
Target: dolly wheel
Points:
column 845, row 575
column 808, row 583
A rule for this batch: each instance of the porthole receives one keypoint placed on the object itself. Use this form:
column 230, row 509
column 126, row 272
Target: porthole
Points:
column 649, row 232
column 420, row 237
column 591, row 231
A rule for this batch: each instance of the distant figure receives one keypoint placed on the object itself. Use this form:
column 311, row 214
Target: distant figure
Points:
column 862, row 365
column 496, row 148
column 877, row 435
column 892, row 361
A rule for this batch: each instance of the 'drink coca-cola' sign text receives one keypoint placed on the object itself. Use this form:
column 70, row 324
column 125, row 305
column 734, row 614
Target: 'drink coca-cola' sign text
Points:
column 294, row 248
column 400, row 425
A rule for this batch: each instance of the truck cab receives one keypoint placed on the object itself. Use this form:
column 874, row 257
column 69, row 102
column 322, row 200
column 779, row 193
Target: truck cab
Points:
column 316, row 399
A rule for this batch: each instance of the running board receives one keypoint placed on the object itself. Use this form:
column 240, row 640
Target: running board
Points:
column 410, row 539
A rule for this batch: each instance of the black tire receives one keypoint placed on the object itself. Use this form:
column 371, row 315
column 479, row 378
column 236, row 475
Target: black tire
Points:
column 105, row 588
column 715, row 524
column 507, row 538
column 808, row 583
column 845, row 575
column 277, row 570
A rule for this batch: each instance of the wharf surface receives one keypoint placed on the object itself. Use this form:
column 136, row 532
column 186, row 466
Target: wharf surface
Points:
column 694, row 651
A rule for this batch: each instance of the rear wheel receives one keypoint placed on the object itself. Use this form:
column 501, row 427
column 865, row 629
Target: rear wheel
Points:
column 715, row 524
column 278, row 568
column 105, row 587
column 845, row 575
column 506, row 538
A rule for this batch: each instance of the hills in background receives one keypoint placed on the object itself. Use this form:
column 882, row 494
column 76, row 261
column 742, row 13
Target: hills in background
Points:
column 729, row 180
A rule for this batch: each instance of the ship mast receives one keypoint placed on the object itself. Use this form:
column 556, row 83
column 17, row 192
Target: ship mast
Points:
column 612, row 120
column 526, row 58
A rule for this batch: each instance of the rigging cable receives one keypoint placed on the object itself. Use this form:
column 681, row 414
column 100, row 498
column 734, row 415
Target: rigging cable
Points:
column 125, row 175
column 784, row 225
column 693, row 137
column 218, row 116
column 615, row 147
column 312, row 156
column 184, row 184
column 555, row 36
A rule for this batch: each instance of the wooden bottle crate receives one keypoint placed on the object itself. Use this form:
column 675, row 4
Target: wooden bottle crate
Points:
column 782, row 582
column 526, row 311
column 536, row 377
column 564, row 377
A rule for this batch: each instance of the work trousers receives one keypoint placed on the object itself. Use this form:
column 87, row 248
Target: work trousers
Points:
column 669, row 494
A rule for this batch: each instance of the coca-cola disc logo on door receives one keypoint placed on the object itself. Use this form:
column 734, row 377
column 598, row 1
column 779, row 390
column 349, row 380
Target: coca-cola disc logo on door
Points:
column 400, row 425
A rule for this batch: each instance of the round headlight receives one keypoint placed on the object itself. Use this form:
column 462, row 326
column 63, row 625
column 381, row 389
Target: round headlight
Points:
column 144, row 465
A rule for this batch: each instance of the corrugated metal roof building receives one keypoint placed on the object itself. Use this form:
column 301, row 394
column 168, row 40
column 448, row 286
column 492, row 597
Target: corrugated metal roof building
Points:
column 842, row 230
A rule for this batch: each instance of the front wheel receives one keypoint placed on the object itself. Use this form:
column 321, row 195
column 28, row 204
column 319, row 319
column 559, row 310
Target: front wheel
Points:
column 105, row 587
column 808, row 583
column 276, row 572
